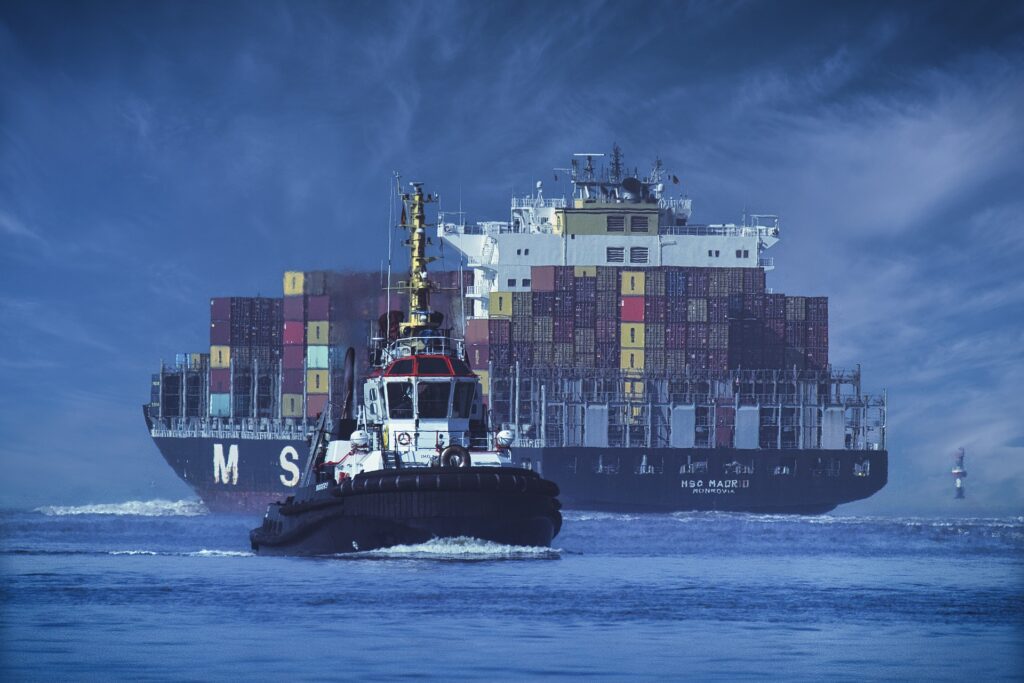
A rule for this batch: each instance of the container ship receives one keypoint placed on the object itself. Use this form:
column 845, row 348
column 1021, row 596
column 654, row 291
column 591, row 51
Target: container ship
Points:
column 638, row 357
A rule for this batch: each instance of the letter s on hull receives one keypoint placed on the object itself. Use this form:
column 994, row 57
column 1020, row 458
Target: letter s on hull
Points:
column 289, row 456
column 221, row 469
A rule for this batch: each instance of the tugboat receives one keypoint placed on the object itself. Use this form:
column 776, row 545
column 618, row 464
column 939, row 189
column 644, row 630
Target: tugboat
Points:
column 417, row 462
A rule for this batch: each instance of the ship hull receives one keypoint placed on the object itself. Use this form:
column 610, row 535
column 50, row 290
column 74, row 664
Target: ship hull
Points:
column 382, row 509
column 809, row 481
column 785, row 481
column 236, row 474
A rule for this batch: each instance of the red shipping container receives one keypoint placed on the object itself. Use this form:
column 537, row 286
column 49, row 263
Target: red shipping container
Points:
column 294, row 357
column 655, row 309
column 292, row 381
column 318, row 308
column 477, row 330
column 294, row 308
column 563, row 330
column 315, row 404
column 631, row 309
column 220, row 380
column 294, row 333
column 675, row 336
column 220, row 309
column 499, row 331
column 220, row 333
column 542, row 278
column 479, row 355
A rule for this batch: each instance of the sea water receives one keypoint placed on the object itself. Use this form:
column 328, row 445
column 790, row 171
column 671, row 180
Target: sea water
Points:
column 162, row 590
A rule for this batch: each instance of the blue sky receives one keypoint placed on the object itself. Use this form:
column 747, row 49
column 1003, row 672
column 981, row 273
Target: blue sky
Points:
column 155, row 154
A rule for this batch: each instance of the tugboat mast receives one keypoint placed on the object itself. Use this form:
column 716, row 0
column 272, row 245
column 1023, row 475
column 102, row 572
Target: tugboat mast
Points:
column 419, row 286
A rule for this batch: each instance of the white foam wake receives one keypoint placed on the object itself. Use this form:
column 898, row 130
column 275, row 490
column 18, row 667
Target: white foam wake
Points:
column 463, row 548
column 138, row 508
column 220, row 553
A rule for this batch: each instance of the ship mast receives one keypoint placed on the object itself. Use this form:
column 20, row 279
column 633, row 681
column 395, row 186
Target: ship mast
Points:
column 419, row 286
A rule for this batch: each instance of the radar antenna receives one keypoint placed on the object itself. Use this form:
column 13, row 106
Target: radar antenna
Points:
column 616, row 168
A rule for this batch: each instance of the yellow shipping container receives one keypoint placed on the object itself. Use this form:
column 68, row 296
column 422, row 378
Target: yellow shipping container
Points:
column 501, row 305
column 316, row 381
column 317, row 332
column 585, row 271
column 632, row 359
column 291, row 405
column 485, row 381
column 220, row 357
column 632, row 335
column 632, row 283
column 633, row 389
column 293, row 282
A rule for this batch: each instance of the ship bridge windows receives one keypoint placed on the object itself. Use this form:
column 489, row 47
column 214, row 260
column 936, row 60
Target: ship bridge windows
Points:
column 432, row 399
column 432, row 366
column 615, row 254
column 713, row 253
column 638, row 254
column 402, row 367
column 462, row 406
column 460, row 367
column 400, row 400
column 742, row 253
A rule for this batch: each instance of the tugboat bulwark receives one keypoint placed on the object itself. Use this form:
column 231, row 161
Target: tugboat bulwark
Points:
column 386, row 508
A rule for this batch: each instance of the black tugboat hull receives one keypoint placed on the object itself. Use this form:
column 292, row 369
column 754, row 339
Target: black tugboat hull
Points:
column 383, row 509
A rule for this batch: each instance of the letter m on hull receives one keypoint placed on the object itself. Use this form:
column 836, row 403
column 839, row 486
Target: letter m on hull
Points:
column 222, row 469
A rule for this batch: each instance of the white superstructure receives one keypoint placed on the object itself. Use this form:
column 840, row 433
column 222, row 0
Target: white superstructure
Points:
column 611, row 220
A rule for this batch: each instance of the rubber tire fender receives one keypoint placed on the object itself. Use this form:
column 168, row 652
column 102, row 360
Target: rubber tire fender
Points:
column 449, row 454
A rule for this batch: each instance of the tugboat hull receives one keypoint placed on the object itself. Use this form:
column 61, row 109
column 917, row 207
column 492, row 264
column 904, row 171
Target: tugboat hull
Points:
column 382, row 509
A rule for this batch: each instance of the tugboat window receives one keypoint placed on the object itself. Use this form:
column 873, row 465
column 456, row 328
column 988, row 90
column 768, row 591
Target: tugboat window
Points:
column 400, row 399
column 433, row 399
column 402, row 367
column 463, row 404
column 433, row 366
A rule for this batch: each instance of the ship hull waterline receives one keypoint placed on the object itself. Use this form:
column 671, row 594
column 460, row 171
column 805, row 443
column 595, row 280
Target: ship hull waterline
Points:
column 261, row 471
column 382, row 509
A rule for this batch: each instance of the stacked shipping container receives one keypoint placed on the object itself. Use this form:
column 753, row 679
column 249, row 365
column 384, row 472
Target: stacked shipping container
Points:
column 245, row 350
column 653, row 320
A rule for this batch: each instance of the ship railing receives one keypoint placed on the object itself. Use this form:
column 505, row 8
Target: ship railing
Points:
column 676, row 204
column 766, row 262
column 539, row 202
column 724, row 230
column 439, row 344
column 481, row 228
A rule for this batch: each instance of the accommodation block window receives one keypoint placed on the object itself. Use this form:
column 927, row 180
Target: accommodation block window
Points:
column 638, row 254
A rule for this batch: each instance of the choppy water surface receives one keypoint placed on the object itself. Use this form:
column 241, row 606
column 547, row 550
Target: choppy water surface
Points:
column 162, row 590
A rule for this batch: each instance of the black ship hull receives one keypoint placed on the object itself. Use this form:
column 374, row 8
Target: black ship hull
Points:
column 785, row 481
column 381, row 509
column 239, row 475
column 808, row 481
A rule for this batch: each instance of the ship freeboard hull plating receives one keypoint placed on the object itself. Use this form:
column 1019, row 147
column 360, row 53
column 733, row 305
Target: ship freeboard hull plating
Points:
column 589, row 478
column 232, row 474
column 806, row 481
column 392, row 507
